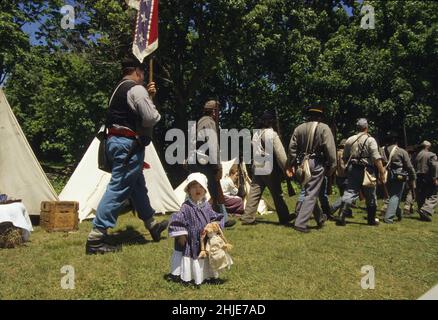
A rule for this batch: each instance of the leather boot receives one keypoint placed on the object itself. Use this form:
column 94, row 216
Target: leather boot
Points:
column 341, row 218
column 372, row 216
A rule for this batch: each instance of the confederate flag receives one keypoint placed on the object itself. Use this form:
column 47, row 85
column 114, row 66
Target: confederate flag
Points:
column 146, row 32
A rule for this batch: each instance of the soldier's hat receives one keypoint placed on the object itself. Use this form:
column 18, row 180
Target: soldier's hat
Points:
column 211, row 104
column 267, row 115
column 132, row 62
column 393, row 134
column 314, row 109
column 391, row 137
column 411, row 149
column 426, row 143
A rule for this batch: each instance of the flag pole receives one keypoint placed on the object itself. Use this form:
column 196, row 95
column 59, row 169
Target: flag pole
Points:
column 151, row 70
column 290, row 189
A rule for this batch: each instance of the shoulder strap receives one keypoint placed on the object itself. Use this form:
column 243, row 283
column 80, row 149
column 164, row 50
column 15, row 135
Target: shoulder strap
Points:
column 390, row 156
column 262, row 142
column 117, row 88
column 363, row 146
column 351, row 152
column 111, row 99
column 312, row 136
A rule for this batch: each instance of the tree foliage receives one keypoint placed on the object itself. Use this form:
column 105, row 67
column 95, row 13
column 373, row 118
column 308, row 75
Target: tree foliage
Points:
column 251, row 55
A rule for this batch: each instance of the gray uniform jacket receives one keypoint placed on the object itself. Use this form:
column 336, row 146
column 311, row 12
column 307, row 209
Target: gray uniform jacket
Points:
column 207, row 122
column 141, row 103
column 364, row 149
column 400, row 161
column 426, row 163
column 278, row 149
column 323, row 145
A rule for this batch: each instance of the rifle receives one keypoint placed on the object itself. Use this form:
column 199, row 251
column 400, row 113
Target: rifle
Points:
column 385, row 191
column 290, row 189
column 331, row 179
column 220, row 200
column 361, row 196
column 330, row 184
column 412, row 187
column 384, row 187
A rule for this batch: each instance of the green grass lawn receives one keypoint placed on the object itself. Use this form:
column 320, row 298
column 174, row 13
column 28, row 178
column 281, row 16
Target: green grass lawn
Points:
column 270, row 262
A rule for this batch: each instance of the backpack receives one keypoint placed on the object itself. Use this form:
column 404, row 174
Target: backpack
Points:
column 341, row 166
column 259, row 148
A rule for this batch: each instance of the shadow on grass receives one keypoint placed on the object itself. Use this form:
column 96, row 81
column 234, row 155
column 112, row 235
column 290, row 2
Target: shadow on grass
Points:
column 354, row 222
column 316, row 227
column 191, row 284
column 275, row 223
column 129, row 236
column 417, row 218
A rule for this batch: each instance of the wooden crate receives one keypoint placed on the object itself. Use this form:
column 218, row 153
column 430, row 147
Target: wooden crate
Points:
column 59, row 215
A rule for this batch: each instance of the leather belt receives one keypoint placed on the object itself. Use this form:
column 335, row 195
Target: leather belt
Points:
column 122, row 133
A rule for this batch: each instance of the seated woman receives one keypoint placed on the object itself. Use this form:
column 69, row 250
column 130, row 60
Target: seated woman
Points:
column 233, row 203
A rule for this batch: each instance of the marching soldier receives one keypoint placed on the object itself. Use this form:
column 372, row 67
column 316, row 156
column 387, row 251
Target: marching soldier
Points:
column 361, row 153
column 312, row 139
column 426, row 164
column 131, row 115
column 408, row 208
column 341, row 178
column 208, row 162
column 400, row 171
column 271, row 178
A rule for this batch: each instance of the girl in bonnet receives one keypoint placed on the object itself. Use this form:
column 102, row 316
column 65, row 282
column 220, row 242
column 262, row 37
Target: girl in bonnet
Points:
column 186, row 227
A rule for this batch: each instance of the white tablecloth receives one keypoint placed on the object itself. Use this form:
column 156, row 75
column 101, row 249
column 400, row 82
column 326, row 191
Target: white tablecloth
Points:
column 16, row 213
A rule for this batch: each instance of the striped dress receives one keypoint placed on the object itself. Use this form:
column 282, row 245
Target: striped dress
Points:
column 190, row 221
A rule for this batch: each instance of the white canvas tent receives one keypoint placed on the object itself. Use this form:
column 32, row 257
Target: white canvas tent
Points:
column 88, row 184
column 21, row 175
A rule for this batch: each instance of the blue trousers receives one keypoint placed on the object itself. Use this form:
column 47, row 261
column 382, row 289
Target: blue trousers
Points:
column 342, row 183
column 395, row 190
column 351, row 194
column 126, row 182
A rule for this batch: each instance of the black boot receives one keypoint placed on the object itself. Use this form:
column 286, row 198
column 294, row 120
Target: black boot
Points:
column 349, row 213
column 341, row 219
column 320, row 224
column 424, row 217
column 372, row 216
column 399, row 214
column 229, row 223
column 329, row 214
column 285, row 220
column 157, row 229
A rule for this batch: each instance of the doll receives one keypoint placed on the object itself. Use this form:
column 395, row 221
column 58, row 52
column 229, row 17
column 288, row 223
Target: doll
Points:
column 215, row 247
